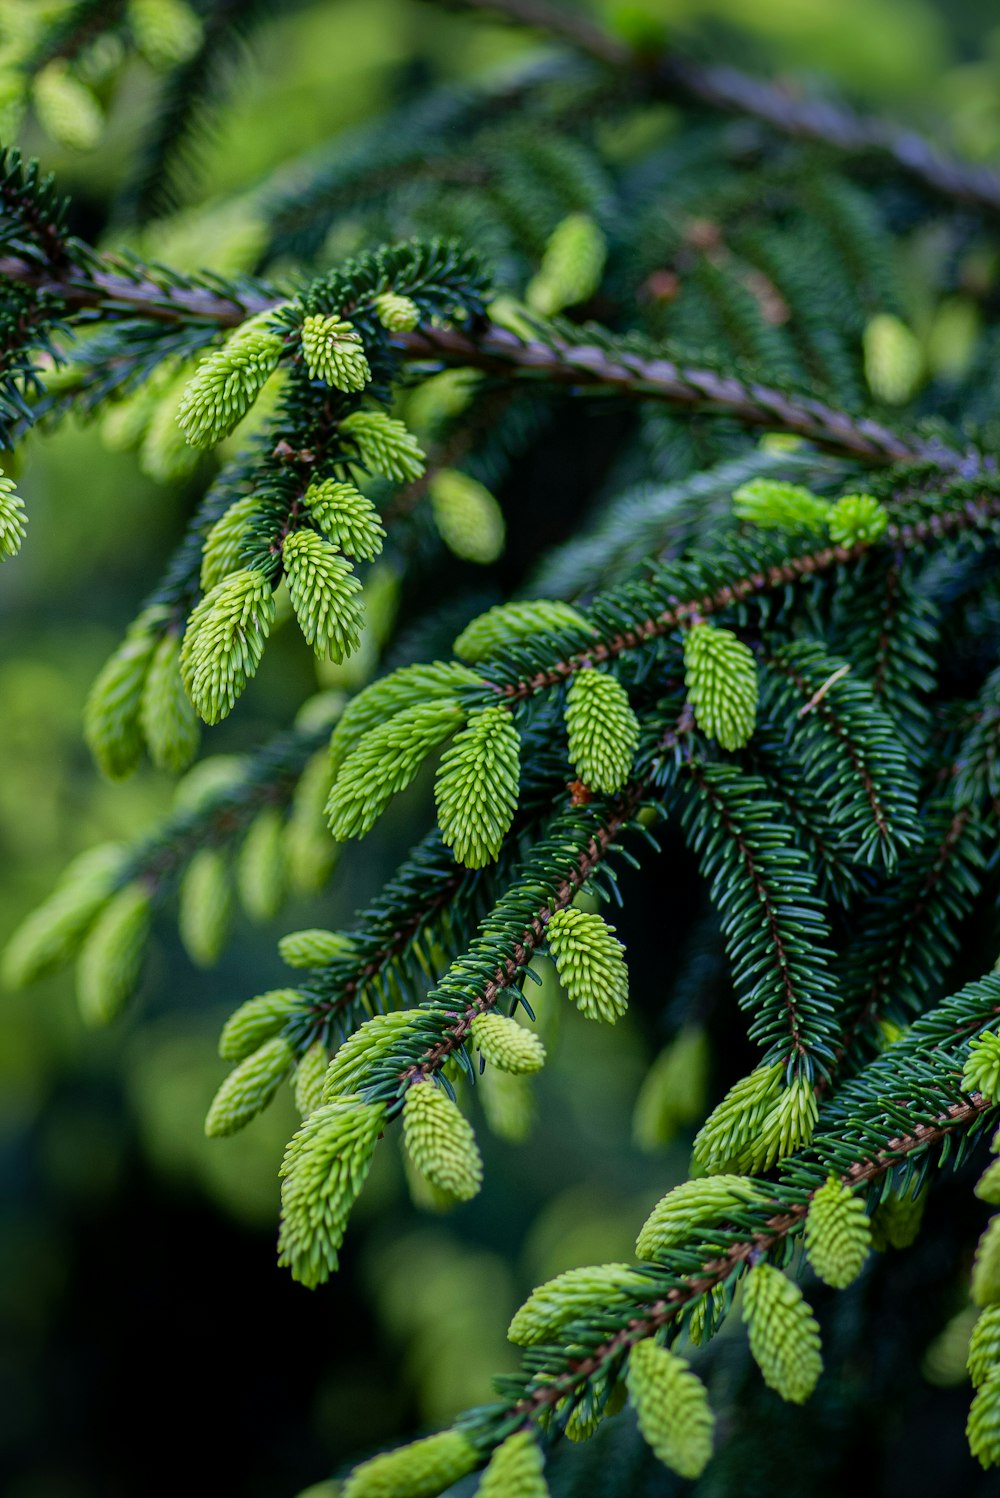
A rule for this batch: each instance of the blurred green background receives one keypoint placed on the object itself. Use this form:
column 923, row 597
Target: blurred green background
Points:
column 149, row 1343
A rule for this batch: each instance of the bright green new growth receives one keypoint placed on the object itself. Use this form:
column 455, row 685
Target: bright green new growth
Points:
column 108, row 966
column 421, row 1470
column 323, row 1171
column 228, row 381
column 224, row 642
column 249, row 1087
column 309, row 1077
column 112, row 715
column 571, row 267
column 758, row 1122
column 368, row 1042
column 988, row 1186
column 168, row 721
column 721, row 677
column 984, row 1346
column 384, row 763
column 508, row 1045
column 257, row 1020
column 325, row 593
column 516, row 1469
column 66, row 108
column 896, row 1220
column 509, row 623
column 440, row 1142
column 856, row 518
column 773, row 504
column 52, row 934
column 838, row 1234
column 468, row 518
column 205, row 906
column 693, row 1204
column 570, row 1295
column 334, row 353
column 13, row 519
column 983, row 1427
column 477, row 785
column 222, row 552
column 313, row 947
column 260, row 865
column 397, row 313
column 784, row 1336
column 672, row 1409
column 893, row 359
column 982, row 1065
column 986, row 1267
column 603, row 730
column 590, row 962
column 673, row 1091
column 165, row 453
column 346, row 517
column 166, row 32
column 385, row 445
column 310, row 851
column 410, row 686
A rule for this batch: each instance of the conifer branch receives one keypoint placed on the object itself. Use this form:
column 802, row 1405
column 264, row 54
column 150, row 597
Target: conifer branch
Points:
column 585, row 368
column 592, row 368
column 669, row 75
column 772, row 1231
column 968, row 514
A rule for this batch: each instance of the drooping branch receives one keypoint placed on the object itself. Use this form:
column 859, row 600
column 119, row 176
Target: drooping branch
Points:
column 667, row 74
column 581, row 368
column 773, row 1230
column 794, row 569
column 588, row 369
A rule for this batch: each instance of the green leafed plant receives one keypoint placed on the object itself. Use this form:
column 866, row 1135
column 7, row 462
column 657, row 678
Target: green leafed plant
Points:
column 620, row 483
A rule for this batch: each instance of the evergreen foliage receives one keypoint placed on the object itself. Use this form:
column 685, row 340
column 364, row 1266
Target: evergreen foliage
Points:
column 759, row 649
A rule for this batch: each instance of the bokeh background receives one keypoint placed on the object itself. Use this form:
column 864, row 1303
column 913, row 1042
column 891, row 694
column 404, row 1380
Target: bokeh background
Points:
column 148, row 1343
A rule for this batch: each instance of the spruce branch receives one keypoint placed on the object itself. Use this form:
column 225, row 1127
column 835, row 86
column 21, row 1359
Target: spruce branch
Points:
column 669, row 75
column 747, row 581
column 584, row 368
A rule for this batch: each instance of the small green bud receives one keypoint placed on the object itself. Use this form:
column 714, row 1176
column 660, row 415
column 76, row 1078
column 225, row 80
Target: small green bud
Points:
column 205, row 899
column 856, row 518
column 384, row 445
column 110, row 960
column 249, row 1087
column 671, row 1406
column 224, row 642
column 260, row 865
column 440, row 1141
column 421, row 1470
column 346, row 517
column 334, row 353
column 398, row 314
column 325, row 593
column 603, row 730
column 516, row 1469
column 506, row 1044
column 228, row 381
column 721, row 676
column 838, row 1234
column 314, row 947
column 168, row 721
column 784, row 1336
column 468, row 517
column 13, row 519
column 589, row 959
column 257, row 1020
column 477, row 786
